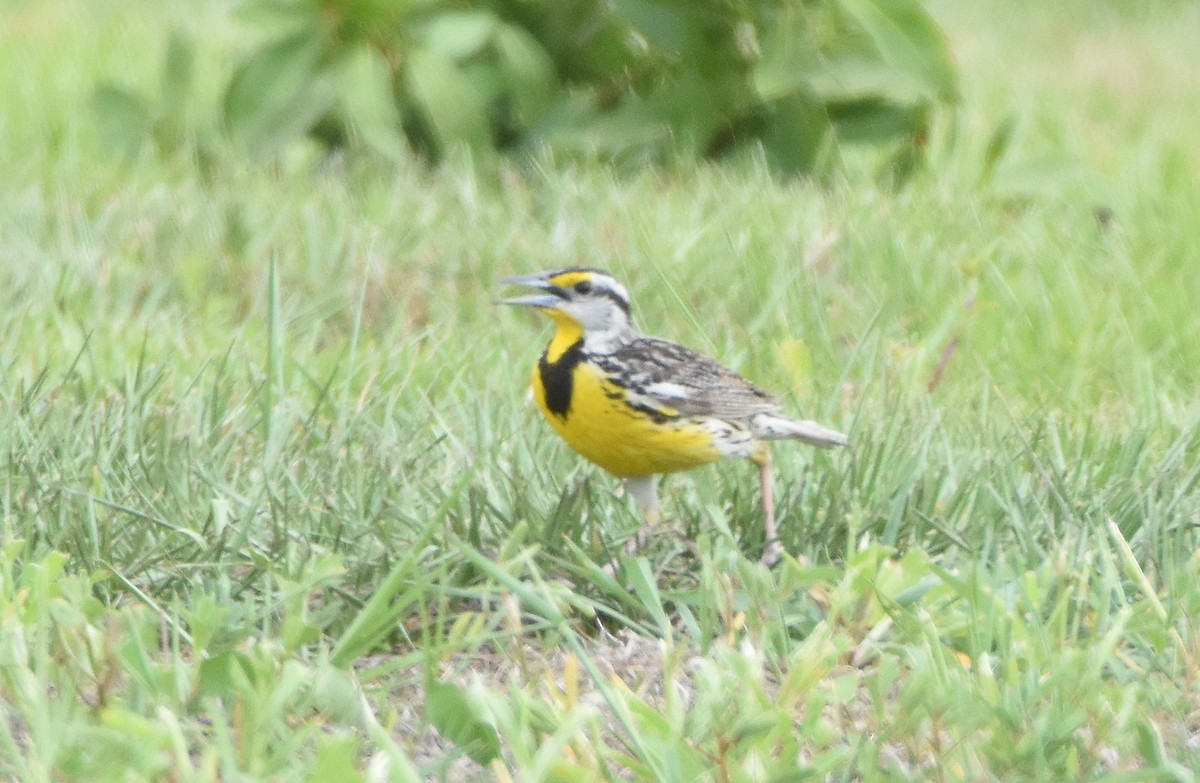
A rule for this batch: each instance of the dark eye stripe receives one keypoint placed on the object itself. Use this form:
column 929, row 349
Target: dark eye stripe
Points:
column 620, row 301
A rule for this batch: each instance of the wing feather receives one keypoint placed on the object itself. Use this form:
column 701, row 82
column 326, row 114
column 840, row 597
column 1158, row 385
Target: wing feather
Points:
column 671, row 376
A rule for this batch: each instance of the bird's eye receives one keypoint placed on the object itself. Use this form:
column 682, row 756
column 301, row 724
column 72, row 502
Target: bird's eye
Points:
column 583, row 287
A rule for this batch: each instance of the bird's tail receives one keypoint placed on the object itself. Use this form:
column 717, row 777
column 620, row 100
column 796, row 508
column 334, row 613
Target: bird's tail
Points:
column 768, row 427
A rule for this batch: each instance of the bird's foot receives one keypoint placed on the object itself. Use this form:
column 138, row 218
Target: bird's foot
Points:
column 772, row 553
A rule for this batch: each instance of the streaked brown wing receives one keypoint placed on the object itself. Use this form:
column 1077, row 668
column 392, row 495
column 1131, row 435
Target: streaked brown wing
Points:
column 691, row 383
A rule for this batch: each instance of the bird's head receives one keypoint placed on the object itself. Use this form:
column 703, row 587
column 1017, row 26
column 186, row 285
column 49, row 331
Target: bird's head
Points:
column 587, row 301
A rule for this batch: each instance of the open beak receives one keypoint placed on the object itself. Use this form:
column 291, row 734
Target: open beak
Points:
column 552, row 297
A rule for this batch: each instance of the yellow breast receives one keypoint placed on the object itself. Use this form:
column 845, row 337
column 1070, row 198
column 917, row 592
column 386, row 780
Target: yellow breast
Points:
column 600, row 425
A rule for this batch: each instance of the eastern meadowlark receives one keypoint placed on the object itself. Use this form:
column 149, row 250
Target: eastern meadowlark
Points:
column 638, row 406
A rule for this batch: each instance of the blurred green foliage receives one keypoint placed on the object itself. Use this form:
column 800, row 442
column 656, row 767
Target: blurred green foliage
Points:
column 634, row 81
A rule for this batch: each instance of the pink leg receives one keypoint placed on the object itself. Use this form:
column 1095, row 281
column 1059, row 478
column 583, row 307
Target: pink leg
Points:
column 772, row 550
column 645, row 496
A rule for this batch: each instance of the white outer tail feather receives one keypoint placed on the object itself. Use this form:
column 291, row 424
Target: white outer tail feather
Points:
column 768, row 427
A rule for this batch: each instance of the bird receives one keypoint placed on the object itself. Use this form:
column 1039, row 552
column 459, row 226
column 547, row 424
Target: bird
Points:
column 640, row 406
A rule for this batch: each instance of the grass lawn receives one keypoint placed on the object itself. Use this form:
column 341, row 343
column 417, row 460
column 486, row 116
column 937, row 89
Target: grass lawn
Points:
column 276, row 505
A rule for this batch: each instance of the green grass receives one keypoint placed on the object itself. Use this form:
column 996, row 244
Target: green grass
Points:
column 275, row 505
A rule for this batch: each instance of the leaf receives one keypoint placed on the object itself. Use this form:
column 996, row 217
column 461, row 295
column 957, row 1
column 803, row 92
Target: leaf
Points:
column 178, row 67
column 875, row 120
column 448, row 101
column 368, row 102
column 909, row 40
column 278, row 94
column 852, row 76
column 457, row 719
column 998, row 143
column 529, row 72
column 798, row 137
column 459, row 34
column 488, row 80
column 336, row 695
column 789, row 58
column 205, row 616
column 644, row 586
column 134, row 727
column 374, row 20
column 588, row 43
column 637, row 80
column 220, row 674
column 336, row 759
column 575, row 126
column 177, row 80
column 660, row 24
column 278, row 17
column 1151, row 746
column 123, row 119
